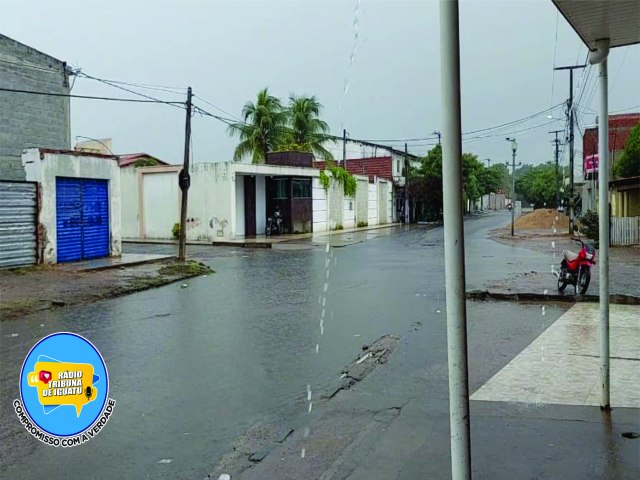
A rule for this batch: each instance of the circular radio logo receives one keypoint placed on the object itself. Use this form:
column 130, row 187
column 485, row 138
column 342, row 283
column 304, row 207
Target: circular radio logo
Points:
column 64, row 387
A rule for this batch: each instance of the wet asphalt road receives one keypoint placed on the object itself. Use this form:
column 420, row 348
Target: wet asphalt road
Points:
column 192, row 368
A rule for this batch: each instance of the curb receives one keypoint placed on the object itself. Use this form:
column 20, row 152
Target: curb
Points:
column 618, row 299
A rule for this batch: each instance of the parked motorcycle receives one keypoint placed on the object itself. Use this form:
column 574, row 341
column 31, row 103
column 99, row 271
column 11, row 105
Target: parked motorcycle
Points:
column 275, row 223
column 575, row 268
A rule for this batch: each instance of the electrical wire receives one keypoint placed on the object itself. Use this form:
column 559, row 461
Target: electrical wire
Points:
column 496, row 127
column 107, row 82
column 89, row 97
column 218, row 108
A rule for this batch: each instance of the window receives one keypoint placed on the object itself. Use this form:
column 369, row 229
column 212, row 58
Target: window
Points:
column 301, row 188
column 281, row 188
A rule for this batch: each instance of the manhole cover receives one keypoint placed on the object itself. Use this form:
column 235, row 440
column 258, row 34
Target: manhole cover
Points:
column 630, row 435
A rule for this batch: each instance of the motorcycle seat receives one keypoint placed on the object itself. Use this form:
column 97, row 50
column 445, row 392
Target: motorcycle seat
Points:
column 569, row 255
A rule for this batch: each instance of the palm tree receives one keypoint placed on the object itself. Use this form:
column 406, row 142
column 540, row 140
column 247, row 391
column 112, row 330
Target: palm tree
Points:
column 263, row 127
column 307, row 130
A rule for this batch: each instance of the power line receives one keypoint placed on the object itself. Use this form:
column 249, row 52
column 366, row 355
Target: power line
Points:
column 496, row 127
column 218, row 108
column 161, row 88
column 89, row 97
column 107, row 82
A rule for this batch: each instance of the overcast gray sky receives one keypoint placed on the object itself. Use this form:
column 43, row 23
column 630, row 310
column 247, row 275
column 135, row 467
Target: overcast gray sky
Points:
column 228, row 50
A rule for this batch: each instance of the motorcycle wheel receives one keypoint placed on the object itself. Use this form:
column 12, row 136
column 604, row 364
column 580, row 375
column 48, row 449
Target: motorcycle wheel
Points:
column 280, row 229
column 562, row 280
column 583, row 281
column 267, row 231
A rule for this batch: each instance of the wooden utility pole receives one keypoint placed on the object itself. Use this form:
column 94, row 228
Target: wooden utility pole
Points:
column 571, row 152
column 184, row 180
column 556, row 141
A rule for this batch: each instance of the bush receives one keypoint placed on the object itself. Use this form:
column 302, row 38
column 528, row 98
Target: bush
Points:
column 175, row 231
column 362, row 224
column 589, row 225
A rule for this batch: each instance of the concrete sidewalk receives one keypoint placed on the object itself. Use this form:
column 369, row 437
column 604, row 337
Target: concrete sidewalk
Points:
column 263, row 241
column 125, row 260
column 394, row 424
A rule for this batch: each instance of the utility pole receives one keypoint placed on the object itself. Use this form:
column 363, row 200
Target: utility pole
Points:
column 406, row 185
column 557, row 143
column 184, row 181
column 437, row 132
column 344, row 148
column 571, row 68
column 514, row 148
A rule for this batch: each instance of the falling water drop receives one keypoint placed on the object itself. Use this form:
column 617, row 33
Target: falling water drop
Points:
column 306, row 432
column 303, row 453
column 553, row 244
column 310, row 407
column 543, row 311
column 317, row 348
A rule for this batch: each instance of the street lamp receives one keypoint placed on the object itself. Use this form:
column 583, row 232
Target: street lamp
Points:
column 514, row 149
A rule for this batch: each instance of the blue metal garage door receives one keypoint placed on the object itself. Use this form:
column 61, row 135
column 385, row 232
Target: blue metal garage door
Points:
column 82, row 219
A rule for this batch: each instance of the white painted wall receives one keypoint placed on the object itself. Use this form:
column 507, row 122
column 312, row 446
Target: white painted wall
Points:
column 44, row 167
column 349, row 212
column 160, row 203
column 212, row 210
column 130, row 204
column 385, row 202
column 319, row 206
column 373, row 204
column 261, row 204
column 239, row 228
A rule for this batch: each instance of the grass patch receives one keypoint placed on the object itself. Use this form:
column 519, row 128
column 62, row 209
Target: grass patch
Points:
column 10, row 309
column 190, row 268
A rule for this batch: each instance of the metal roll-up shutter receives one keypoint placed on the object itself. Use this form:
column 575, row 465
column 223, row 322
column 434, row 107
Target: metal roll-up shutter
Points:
column 95, row 218
column 18, row 216
column 69, row 219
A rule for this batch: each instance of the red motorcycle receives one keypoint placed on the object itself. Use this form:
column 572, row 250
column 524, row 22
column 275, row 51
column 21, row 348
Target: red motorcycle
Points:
column 575, row 268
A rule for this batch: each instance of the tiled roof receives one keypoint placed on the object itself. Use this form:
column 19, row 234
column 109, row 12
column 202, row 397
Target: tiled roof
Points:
column 372, row 167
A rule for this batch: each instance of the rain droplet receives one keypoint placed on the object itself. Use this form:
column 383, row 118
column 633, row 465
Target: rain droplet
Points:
column 543, row 311
column 309, row 393
column 546, row 291
column 553, row 244
column 42, row 324
column 438, row 311
column 327, row 248
column 310, row 407
column 555, row 230
column 166, row 460
column 326, row 286
column 335, row 260
column 303, row 453
column 306, row 432
column 317, row 348
column 556, row 217
column 328, row 272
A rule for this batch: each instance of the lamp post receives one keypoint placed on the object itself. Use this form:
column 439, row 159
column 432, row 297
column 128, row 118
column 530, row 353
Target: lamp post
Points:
column 514, row 149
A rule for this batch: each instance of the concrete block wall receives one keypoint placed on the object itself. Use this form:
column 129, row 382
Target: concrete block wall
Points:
column 30, row 120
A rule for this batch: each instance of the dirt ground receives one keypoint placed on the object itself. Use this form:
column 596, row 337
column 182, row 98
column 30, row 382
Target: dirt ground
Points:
column 27, row 290
column 624, row 262
column 543, row 218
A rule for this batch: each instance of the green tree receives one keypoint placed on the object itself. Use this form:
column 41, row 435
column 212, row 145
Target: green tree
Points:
column 471, row 170
column 307, row 131
column 629, row 163
column 537, row 185
column 263, row 128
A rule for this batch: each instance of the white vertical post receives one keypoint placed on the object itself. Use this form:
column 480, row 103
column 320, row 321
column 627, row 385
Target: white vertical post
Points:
column 454, row 242
column 603, row 207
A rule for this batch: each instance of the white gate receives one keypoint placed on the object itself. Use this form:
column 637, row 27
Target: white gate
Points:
column 625, row 230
